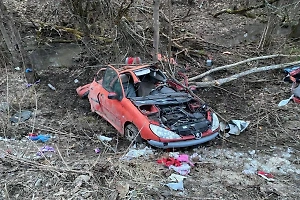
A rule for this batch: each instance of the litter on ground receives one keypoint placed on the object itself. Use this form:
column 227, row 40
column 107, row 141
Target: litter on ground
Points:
column 183, row 169
column 45, row 149
column 178, row 162
column 176, row 177
column 104, row 138
column 21, row 116
column 265, row 175
column 176, row 186
column 135, row 153
column 234, row 127
column 40, row 138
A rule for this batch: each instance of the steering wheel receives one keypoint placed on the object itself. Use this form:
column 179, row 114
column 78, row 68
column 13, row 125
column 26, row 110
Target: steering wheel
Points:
column 160, row 86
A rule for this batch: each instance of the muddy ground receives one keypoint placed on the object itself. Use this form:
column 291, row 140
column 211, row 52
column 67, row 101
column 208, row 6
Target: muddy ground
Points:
column 225, row 168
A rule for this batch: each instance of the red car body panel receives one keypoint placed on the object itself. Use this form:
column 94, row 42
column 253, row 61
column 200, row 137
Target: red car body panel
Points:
column 119, row 110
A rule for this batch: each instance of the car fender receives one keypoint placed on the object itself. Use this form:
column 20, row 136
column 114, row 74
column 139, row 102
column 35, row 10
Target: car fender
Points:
column 83, row 91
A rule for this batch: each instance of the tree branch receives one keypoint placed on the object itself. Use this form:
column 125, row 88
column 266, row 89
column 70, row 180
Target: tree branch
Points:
column 221, row 81
column 239, row 63
column 243, row 11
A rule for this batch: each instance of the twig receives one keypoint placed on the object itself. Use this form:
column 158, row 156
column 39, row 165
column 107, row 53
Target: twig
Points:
column 62, row 157
column 229, row 92
column 44, row 167
column 6, row 191
column 284, row 130
column 51, row 130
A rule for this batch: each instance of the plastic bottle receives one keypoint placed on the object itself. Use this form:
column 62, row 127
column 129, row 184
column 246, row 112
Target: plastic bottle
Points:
column 51, row 87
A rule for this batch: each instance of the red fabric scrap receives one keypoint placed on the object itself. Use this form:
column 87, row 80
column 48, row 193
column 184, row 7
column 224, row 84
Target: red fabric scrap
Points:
column 169, row 161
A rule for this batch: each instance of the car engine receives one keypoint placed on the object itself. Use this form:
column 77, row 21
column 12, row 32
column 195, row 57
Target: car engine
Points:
column 181, row 120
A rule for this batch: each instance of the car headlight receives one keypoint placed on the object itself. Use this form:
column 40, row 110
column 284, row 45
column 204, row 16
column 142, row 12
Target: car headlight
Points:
column 215, row 122
column 163, row 133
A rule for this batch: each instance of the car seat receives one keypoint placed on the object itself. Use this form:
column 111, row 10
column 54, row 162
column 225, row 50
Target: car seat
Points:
column 127, row 86
column 144, row 88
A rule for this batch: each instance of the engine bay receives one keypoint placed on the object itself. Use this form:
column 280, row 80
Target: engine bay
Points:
column 181, row 120
column 184, row 119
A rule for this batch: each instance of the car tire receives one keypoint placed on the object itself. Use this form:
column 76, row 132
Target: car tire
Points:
column 132, row 133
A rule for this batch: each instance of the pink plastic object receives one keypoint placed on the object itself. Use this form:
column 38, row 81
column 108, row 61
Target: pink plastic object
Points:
column 97, row 150
column 184, row 158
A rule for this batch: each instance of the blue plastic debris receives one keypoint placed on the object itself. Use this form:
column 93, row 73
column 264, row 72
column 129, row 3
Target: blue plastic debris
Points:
column 41, row 138
column 27, row 70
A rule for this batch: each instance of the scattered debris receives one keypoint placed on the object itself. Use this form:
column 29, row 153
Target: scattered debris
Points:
column 265, row 175
column 234, row 127
column 183, row 169
column 41, row 138
column 104, row 138
column 17, row 68
column 31, row 84
column 176, row 186
column 227, row 53
column 178, row 162
column 97, row 150
column 208, row 63
column 4, row 106
column 177, row 182
column 285, row 101
column 76, row 81
column 51, row 87
column 21, row 116
column 185, row 158
column 169, row 161
column 135, row 153
column 81, row 179
column 176, row 177
column 45, row 149
column 31, row 76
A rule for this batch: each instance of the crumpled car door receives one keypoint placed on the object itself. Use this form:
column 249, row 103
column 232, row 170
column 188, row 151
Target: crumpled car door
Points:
column 112, row 108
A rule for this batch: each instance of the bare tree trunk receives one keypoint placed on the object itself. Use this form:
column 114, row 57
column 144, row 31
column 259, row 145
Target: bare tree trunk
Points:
column 12, row 39
column 170, row 29
column 156, row 28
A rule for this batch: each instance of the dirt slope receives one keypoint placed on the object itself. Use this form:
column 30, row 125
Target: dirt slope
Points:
column 224, row 168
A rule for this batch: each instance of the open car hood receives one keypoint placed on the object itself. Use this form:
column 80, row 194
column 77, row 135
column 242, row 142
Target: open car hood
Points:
column 162, row 99
column 177, row 112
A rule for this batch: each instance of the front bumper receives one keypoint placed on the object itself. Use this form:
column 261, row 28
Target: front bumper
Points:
column 186, row 143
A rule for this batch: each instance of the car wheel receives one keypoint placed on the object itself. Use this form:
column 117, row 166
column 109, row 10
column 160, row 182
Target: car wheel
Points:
column 132, row 133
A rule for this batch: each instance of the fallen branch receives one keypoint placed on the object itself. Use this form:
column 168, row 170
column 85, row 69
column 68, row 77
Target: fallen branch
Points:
column 73, row 31
column 221, row 81
column 243, row 11
column 239, row 63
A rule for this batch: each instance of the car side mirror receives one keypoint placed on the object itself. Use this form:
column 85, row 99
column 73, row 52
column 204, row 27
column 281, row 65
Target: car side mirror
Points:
column 113, row 95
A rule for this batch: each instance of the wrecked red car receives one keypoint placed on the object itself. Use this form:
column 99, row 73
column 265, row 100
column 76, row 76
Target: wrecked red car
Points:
column 143, row 105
